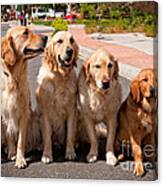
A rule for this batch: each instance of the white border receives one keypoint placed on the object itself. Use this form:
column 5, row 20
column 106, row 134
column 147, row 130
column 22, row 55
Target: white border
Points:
column 27, row 181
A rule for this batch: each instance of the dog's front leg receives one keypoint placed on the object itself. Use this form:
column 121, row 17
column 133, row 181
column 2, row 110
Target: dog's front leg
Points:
column 111, row 127
column 47, row 141
column 71, row 133
column 90, row 129
column 137, row 152
column 20, row 156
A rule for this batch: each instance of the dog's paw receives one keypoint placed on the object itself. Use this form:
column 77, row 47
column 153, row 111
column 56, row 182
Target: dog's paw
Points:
column 139, row 169
column 91, row 158
column 46, row 159
column 20, row 163
column 70, row 155
column 111, row 159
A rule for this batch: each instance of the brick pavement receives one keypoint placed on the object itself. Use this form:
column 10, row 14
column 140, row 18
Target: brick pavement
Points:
column 124, row 54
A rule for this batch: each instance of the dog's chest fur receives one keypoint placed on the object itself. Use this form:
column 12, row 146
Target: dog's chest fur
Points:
column 144, row 118
column 15, row 100
column 59, row 92
column 57, row 99
column 146, row 122
column 99, row 105
column 64, row 95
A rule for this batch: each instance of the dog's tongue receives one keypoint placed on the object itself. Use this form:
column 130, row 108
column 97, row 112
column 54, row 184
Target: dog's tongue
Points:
column 66, row 62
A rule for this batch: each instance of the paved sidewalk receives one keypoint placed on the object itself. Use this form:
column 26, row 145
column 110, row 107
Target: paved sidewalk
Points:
column 130, row 54
column 127, row 55
column 135, row 40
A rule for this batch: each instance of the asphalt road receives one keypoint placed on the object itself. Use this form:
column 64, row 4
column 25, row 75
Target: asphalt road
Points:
column 61, row 168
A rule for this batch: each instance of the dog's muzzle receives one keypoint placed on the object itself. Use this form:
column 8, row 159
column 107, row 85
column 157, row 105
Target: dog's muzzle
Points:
column 66, row 60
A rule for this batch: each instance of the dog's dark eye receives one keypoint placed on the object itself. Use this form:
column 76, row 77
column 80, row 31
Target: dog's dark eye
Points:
column 110, row 65
column 71, row 40
column 145, row 79
column 97, row 66
column 60, row 41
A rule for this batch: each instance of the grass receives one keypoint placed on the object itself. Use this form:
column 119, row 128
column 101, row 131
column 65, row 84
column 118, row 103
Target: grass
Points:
column 43, row 22
column 121, row 26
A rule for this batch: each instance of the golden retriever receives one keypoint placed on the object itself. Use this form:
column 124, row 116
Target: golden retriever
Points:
column 99, row 100
column 56, row 94
column 137, row 125
column 19, row 45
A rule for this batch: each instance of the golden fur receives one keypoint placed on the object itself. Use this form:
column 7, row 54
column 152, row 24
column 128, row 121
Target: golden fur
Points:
column 19, row 45
column 99, row 101
column 56, row 94
column 137, row 117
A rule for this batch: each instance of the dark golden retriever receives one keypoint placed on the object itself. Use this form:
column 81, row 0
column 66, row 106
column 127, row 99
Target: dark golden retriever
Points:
column 137, row 117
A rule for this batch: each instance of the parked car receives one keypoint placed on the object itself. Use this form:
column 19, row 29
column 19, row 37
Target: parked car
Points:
column 69, row 17
column 42, row 13
column 4, row 17
column 59, row 14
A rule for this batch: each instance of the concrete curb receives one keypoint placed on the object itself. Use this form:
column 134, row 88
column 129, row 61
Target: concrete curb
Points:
column 41, row 29
column 125, row 70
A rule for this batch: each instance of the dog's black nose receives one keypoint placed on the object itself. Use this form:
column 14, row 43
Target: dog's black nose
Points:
column 45, row 39
column 69, row 51
column 105, row 85
column 152, row 91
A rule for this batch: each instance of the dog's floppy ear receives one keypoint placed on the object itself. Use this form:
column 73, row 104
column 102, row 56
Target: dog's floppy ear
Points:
column 86, row 67
column 7, row 51
column 50, row 59
column 116, row 69
column 76, row 55
column 135, row 90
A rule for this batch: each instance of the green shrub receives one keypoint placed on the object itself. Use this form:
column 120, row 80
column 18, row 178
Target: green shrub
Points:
column 88, row 10
column 124, row 18
column 150, row 30
column 60, row 24
column 90, row 22
column 115, row 13
column 149, row 19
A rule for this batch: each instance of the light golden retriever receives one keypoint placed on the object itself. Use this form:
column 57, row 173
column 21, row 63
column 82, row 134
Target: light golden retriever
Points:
column 137, row 118
column 56, row 94
column 19, row 45
column 99, row 101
